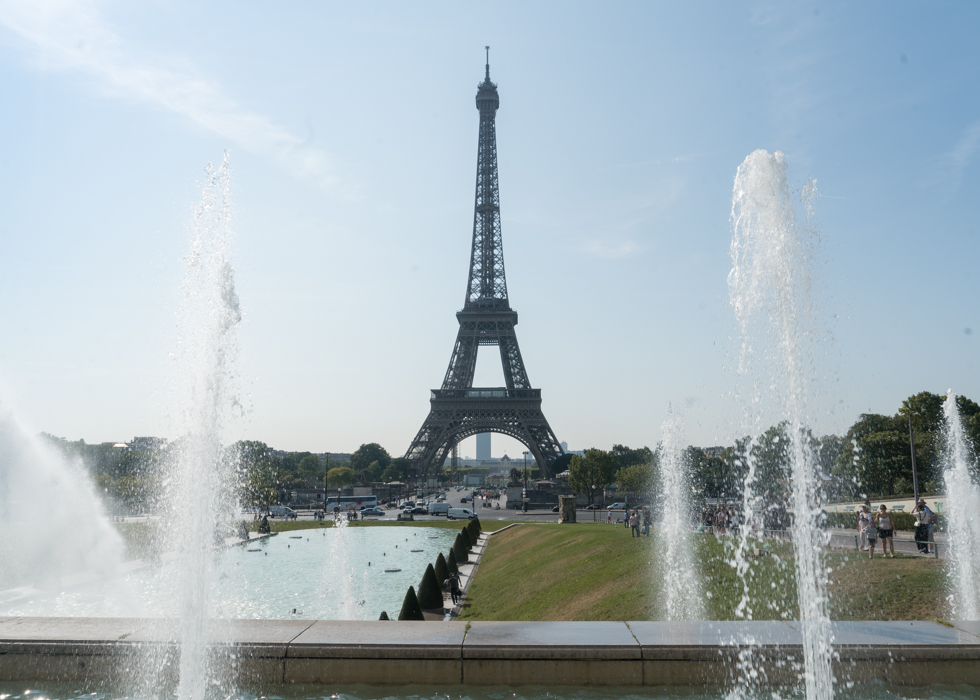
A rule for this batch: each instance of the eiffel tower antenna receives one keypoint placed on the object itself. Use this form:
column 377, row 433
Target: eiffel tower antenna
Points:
column 458, row 410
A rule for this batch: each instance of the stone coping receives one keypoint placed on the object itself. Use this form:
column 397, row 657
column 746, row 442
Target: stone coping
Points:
column 492, row 653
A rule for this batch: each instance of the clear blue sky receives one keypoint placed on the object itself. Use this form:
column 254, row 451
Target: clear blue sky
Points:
column 352, row 132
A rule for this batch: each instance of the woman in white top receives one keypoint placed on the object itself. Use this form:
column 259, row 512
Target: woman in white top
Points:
column 886, row 529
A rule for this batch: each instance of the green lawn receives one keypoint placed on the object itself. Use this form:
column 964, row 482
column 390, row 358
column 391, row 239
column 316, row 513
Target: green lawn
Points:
column 597, row 572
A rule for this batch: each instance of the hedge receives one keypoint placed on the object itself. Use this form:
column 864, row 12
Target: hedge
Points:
column 430, row 592
column 411, row 610
column 441, row 569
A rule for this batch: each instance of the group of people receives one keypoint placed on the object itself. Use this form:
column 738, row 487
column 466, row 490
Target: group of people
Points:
column 637, row 521
column 721, row 520
column 881, row 526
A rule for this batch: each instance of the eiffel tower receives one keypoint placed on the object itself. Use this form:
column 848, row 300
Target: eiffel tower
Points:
column 459, row 410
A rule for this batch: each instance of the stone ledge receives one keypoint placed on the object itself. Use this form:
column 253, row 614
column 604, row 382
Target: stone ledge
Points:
column 488, row 653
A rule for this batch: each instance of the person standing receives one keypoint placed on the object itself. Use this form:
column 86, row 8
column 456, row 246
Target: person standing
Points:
column 865, row 526
column 634, row 525
column 454, row 588
column 869, row 530
column 886, row 531
column 922, row 517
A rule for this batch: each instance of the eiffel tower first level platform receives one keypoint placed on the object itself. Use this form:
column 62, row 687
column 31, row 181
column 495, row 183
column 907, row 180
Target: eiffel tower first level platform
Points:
column 459, row 410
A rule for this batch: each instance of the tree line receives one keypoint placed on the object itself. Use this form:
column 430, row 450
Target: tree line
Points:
column 872, row 460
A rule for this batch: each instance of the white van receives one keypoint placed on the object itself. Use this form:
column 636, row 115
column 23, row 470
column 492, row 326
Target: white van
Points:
column 460, row 513
column 438, row 509
column 282, row 512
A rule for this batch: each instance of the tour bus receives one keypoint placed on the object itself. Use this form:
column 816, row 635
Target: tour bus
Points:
column 345, row 502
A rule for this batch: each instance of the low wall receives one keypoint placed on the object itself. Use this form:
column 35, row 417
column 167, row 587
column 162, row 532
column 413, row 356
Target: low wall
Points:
column 257, row 652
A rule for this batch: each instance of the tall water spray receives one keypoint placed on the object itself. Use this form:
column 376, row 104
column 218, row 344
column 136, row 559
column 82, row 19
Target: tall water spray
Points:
column 681, row 584
column 340, row 569
column 201, row 484
column 962, row 514
column 770, row 291
column 41, row 546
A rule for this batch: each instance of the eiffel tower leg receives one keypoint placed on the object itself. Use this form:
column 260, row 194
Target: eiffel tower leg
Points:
column 457, row 415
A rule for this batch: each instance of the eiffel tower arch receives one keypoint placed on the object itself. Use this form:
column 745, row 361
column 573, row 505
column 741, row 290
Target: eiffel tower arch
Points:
column 459, row 410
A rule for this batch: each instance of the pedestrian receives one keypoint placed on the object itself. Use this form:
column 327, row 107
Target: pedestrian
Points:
column 864, row 512
column 870, row 531
column 720, row 522
column 454, row 587
column 609, row 517
column 634, row 525
column 865, row 524
column 886, row 531
column 922, row 516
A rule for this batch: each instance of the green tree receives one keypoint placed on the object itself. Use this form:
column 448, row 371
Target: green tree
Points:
column 623, row 456
column 340, row 476
column 636, row 480
column 368, row 453
column 310, row 469
column 393, row 472
column 589, row 474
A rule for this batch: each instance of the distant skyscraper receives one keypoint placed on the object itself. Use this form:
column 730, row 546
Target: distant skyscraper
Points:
column 483, row 446
column 564, row 446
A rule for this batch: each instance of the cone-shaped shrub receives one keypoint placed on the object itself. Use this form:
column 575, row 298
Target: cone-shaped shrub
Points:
column 430, row 592
column 384, row 616
column 460, row 550
column 477, row 525
column 411, row 610
column 473, row 530
column 467, row 542
column 442, row 570
column 451, row 563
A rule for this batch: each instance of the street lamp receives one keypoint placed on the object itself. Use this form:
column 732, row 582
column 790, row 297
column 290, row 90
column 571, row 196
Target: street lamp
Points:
column 524, row 499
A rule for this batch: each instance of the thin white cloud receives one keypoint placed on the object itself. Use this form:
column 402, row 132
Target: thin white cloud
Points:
column 956, row 161
column 72, row 36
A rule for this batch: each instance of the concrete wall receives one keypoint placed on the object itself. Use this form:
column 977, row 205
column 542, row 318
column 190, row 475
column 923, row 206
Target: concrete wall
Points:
column 260, row 652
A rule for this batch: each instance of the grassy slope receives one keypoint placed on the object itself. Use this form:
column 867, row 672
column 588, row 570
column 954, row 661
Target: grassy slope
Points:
column 597, row 572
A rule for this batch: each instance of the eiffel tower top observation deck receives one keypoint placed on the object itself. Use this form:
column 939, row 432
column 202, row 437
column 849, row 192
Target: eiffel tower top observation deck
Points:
column 457, row 409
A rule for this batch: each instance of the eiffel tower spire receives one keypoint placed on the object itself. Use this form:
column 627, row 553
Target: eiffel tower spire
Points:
column 458, row 410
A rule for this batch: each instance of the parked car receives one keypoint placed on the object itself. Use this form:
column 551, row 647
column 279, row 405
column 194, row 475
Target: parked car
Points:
column 466, row 499
column 460, row 513
column 593, row 506
column 373, row 510
column 617, row 506
column 416, row 510
column 556, row 509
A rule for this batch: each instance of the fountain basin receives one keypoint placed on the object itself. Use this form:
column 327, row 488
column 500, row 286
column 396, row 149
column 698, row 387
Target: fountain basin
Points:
column 260, row 653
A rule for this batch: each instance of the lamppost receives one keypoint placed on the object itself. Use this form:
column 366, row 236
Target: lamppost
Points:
column 524, row 499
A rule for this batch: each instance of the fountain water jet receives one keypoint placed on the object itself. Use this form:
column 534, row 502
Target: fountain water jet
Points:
column 962, row 514
column 202, row 476
column 340, row 568
column 43, row 545
column 769, row 288
column 681, row 585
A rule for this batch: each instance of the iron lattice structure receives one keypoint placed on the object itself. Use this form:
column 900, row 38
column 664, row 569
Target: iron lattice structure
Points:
column 459, row 410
